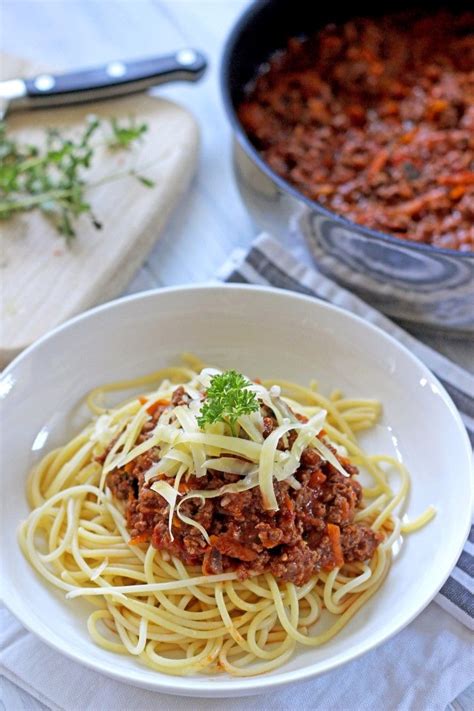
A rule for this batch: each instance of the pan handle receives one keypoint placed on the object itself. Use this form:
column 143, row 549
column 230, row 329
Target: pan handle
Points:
column 113, row 79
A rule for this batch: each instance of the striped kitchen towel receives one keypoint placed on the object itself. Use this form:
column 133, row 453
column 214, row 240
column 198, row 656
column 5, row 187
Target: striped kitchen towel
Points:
column 267, row 262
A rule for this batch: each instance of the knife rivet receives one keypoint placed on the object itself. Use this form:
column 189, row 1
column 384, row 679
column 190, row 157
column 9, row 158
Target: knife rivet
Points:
column 116, row 69
column 44, row 82
column 186, row 57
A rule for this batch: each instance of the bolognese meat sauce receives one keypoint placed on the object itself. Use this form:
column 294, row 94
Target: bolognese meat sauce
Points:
column 374, row 119
column 313, row 530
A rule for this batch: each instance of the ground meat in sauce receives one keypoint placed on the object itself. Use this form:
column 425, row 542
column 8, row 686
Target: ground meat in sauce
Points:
column 374, row 119
column 292, row 543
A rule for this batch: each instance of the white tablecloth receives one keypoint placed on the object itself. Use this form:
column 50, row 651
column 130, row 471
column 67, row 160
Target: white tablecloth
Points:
column 423, row 668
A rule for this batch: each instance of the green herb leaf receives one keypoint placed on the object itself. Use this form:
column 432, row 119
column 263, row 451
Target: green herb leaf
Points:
column 123, row 135
column 147, row 182
column 227, row 398
column 51, row 178
column 411, row 171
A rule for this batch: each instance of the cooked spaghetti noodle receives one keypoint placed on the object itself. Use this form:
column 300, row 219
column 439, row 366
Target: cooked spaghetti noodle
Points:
column 177, row 609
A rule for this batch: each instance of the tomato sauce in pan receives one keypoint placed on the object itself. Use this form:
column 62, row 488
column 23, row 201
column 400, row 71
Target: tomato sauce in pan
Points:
column 374, row 119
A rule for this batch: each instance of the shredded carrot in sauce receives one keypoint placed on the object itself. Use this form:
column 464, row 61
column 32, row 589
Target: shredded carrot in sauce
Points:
column 157, row 404
column 334, row 535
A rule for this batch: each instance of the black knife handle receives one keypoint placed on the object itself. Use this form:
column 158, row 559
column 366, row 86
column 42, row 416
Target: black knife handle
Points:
column 113, row 79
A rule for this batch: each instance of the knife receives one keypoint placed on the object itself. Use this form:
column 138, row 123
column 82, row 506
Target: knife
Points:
column 116, row 78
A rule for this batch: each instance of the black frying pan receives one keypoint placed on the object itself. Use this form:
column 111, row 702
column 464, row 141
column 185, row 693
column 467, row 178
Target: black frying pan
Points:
column 421, row 284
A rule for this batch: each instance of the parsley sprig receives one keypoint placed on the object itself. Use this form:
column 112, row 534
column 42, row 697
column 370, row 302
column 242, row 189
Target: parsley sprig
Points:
column 52, row 177
column 227, row 398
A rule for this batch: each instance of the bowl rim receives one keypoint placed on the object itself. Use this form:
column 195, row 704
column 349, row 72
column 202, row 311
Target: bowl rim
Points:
column 242, row 22
column 196, row 686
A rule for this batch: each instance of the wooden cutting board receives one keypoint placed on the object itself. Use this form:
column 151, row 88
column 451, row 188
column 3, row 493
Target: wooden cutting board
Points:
column 43, row 281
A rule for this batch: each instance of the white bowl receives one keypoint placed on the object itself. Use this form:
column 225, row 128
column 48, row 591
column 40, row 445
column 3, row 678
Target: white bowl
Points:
column 262, row 332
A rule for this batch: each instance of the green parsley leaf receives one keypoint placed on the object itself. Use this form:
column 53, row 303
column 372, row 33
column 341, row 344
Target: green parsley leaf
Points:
column 227, row 398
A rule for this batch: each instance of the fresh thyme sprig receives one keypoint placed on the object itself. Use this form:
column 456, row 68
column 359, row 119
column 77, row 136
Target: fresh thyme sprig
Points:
column 53, row 178
column 227, row 398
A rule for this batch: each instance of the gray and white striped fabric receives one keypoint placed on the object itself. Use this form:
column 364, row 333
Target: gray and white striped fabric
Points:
column 267, row 262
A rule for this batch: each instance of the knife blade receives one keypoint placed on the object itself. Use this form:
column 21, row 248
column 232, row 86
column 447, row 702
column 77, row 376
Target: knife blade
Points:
column 117, row 78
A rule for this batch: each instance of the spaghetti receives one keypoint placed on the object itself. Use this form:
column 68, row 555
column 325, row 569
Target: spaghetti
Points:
column 208, row 607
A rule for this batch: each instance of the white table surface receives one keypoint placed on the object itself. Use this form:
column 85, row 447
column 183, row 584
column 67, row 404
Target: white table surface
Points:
column 211, row 221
